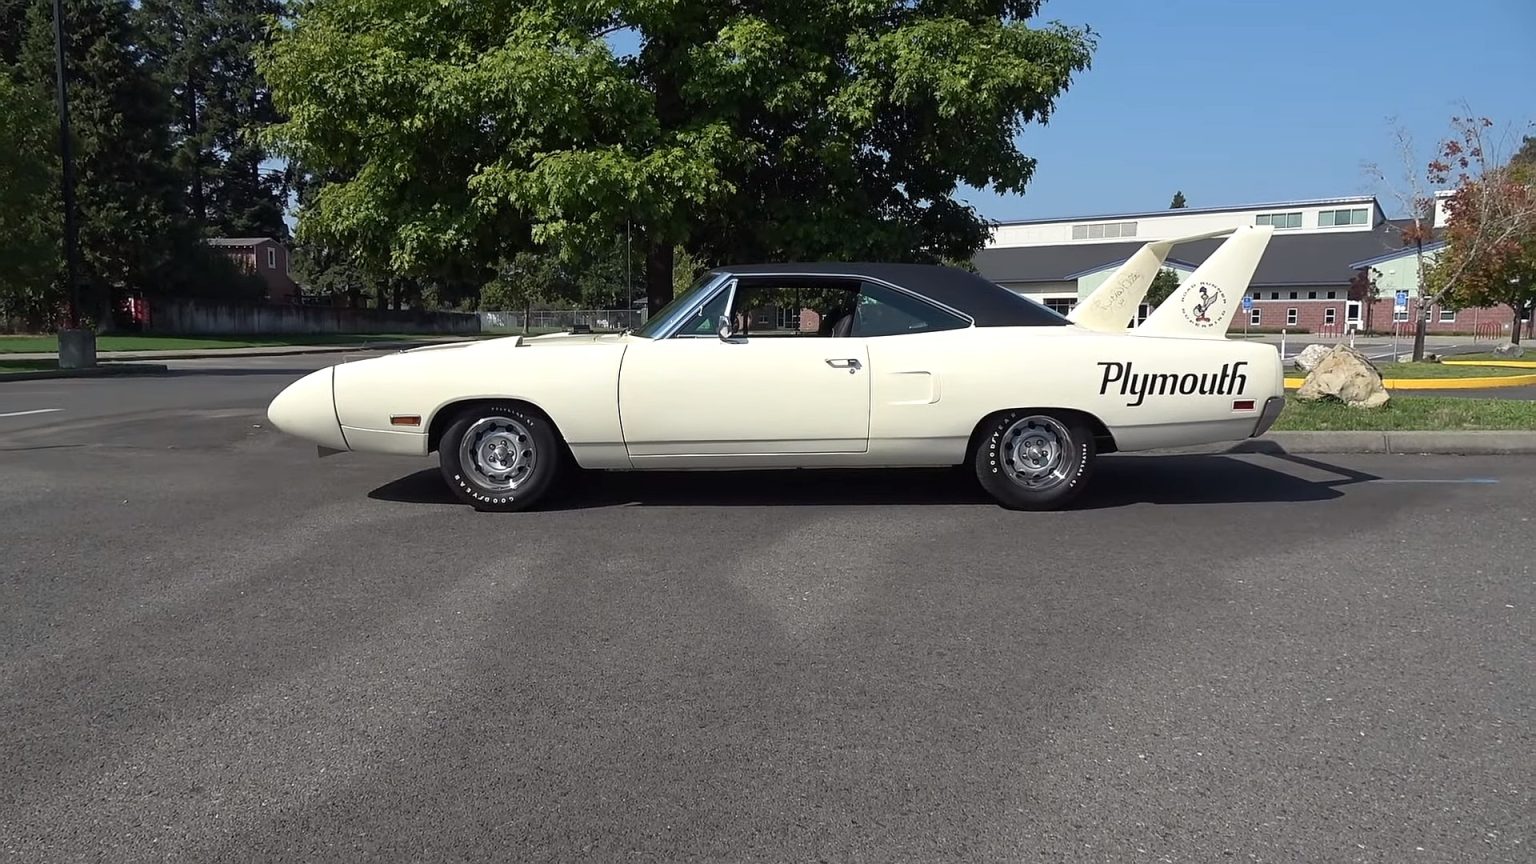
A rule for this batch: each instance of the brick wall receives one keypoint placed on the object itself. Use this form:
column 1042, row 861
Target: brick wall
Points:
column 1316, row 315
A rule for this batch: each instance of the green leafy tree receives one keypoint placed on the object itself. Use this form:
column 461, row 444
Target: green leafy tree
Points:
column 475, row 130
column 1163, row 285
column 1178, row 201
column 1489, row 257
column 203, row 50
column 29, row 213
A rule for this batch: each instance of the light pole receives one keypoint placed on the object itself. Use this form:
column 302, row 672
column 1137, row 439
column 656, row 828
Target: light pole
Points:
column 77, row 345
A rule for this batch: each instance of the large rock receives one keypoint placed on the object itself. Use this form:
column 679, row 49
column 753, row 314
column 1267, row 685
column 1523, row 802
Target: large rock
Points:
column 1309, row 357
column 1344, row 374
column 1509, row 350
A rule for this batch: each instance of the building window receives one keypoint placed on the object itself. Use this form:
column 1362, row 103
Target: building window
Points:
column 1332, row 295
column 1335, row 218
column 1060, row 305
column 1274, row 295
column 1328, row 315
column 1293, row 295
column 1447, row 316
column 1400, row 316
column 1281, row 221
column 1256, row 296
column 271, row 258
column 1104, row 231
column 1290, row 317
column 1253, row 317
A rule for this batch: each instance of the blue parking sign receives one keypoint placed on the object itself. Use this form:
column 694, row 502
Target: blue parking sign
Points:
column 1400, row 302
column 1247, row 302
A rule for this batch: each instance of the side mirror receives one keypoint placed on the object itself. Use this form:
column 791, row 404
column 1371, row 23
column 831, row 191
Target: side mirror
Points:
column 725, row 329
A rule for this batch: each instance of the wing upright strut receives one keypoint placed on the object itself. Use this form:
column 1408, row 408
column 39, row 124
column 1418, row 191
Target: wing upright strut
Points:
column 1205, row 304
column 1112, row 306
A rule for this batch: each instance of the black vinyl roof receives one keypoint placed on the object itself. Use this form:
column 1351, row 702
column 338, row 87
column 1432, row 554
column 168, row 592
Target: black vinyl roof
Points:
column 985, row 302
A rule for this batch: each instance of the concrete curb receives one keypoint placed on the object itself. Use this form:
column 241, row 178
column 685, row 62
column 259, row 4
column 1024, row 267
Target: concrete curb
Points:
column 104, row 370
column 1455, row 443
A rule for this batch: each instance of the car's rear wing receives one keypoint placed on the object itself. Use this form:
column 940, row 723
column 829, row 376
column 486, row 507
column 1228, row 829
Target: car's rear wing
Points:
column 1203, row 306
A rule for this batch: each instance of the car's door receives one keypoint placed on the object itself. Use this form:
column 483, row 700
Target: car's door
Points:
column 696, row 395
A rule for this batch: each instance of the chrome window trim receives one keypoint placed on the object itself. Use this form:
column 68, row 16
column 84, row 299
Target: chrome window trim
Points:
column 728, row 280
column 859, row 277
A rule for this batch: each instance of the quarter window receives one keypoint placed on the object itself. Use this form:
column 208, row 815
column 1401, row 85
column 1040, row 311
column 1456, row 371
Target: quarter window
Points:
column 883, row 311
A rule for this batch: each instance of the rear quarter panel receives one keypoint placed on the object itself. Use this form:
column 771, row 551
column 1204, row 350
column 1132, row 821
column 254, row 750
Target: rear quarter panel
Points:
column 1149, row 392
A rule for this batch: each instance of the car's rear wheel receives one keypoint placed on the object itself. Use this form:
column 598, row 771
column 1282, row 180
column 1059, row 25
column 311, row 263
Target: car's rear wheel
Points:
column 1035, row 460
column 500, row 456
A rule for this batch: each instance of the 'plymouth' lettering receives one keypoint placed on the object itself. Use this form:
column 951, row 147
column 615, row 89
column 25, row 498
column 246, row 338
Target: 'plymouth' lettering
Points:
column 1231, row 380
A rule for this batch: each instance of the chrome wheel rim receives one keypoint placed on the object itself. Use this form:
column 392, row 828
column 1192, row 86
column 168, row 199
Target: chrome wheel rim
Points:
column 498, row 453
column 1035, row 452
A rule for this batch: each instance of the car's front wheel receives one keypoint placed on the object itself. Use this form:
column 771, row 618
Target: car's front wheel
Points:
column 500, row 457
column 1035, row 460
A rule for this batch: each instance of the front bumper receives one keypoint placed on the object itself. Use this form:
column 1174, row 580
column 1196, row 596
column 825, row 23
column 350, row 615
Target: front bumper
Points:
column 1272, row 408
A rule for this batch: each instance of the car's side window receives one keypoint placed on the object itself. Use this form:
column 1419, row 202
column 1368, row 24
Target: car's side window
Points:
column 883, row 311
column 778, row 307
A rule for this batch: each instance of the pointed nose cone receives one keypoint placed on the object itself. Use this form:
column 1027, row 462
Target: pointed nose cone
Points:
column 307, row 409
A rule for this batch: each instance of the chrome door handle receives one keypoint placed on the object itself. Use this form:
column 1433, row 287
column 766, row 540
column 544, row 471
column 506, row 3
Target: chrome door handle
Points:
column 848, row 363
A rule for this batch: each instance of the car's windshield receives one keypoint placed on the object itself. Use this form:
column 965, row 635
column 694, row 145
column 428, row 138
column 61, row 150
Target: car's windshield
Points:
column 658, row 322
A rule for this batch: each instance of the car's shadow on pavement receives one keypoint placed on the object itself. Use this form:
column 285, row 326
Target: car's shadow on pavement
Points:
column 1118, row 482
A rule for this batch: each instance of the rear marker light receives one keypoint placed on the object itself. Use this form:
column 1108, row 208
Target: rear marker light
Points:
column 405, row 420
column 1242, row 405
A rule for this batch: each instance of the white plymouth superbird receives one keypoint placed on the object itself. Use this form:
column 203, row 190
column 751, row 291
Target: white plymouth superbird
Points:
column 901, row 365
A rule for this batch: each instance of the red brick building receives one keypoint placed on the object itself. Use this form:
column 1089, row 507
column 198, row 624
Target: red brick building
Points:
column 266, row 258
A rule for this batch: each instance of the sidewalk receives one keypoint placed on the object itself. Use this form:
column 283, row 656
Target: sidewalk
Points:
column 262, row 351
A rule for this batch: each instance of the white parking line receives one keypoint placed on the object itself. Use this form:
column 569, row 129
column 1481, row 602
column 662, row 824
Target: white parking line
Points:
column 33, row 411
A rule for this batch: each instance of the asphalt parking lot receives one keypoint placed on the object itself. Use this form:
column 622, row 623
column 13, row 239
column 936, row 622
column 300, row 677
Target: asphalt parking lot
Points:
column 214, row 646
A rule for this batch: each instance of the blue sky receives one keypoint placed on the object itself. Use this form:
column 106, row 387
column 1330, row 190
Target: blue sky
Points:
column 1245, row 101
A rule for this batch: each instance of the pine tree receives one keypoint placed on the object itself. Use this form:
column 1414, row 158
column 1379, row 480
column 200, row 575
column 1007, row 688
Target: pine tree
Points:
column 129, row 194
column 1178, row 201
column 203, row 49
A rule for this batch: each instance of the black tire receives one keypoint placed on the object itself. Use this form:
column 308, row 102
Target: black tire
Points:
column 1059, row 470
column 500, row 427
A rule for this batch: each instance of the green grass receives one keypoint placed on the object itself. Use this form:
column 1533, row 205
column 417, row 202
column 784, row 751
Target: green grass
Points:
column 27, row 365
column 107, row 343
column 1405, row 413
column 1529, row 356
column 1437, row 370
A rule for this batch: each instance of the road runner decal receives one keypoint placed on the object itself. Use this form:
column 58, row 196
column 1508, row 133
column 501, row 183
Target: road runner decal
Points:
column 1198, row 303
column 1230, row 381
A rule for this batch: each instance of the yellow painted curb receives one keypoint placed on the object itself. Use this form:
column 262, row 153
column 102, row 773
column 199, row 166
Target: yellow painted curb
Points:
column 1443, row 383
column 1507, row 364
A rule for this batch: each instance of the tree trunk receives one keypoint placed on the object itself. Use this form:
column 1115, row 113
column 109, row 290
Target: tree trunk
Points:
column 659, row 260
column 527, row 313
column 1514, row 329
column 397, row 296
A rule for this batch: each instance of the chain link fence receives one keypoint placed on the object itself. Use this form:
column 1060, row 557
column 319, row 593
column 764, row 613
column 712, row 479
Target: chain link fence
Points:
column 554, row 320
